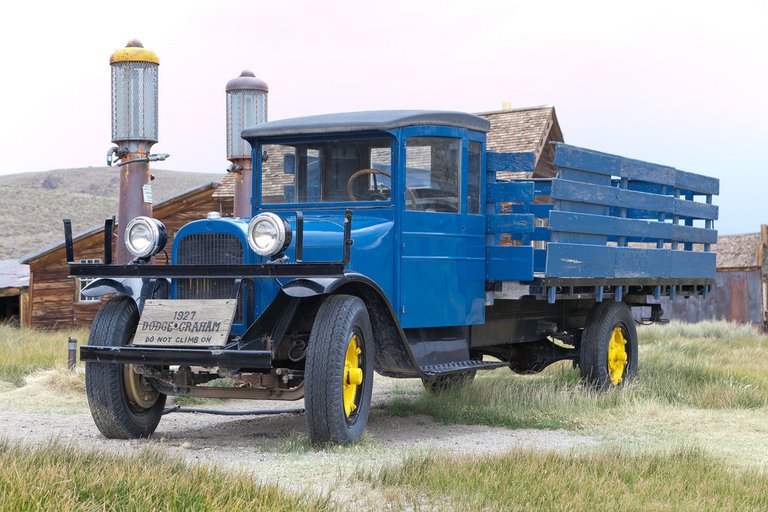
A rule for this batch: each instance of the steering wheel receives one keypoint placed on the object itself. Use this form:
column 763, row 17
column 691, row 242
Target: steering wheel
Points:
column 374, row 195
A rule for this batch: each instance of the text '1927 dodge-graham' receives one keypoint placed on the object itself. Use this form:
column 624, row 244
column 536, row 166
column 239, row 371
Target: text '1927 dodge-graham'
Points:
column 391, row 241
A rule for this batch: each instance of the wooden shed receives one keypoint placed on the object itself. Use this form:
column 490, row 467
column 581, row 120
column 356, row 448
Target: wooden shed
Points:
column 740, row 293
column 528, row 132
column 54, row 299
column 14, row 282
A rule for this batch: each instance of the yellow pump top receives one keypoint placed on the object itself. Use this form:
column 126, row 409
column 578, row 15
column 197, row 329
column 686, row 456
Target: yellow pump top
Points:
column 134, row 51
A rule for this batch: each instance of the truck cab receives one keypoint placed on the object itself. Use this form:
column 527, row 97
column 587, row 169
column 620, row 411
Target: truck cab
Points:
column 413, row 182
column 384, row 241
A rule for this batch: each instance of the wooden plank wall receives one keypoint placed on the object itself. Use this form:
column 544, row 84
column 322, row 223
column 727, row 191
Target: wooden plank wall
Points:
column 52, row 294
column 740, row 295
column 736, row 297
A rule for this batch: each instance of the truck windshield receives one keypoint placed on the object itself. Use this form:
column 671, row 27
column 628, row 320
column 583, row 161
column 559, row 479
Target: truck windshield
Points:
column 324, row 172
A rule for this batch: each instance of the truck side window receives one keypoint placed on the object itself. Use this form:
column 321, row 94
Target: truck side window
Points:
column 432, row 174
column 473, row 178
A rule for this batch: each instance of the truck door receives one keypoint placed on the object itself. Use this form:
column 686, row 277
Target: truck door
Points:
column 442, row 267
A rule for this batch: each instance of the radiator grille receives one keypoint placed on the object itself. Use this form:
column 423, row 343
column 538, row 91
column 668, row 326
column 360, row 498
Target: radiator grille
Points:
column 209, row 249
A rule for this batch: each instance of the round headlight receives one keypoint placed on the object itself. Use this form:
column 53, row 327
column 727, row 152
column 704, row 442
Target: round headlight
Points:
column 268, row 234
column 145, row 237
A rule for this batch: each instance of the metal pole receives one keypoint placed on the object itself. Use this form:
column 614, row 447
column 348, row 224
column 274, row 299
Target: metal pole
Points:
column 243, row 188
column 71, row 354
column 133, row 201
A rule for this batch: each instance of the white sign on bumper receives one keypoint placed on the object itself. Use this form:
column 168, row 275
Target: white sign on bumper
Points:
column 185, row 323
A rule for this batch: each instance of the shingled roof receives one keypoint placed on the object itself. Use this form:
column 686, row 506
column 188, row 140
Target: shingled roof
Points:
column 13, row 275
column 737, row 251
column 226, row 186
column 526, row 130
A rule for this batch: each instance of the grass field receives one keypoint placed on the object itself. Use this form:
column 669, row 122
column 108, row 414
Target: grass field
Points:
column 689, row 434
column 24, row 351
column 528, row 480
column 703, row 385
column 704, row 366
column 61, row 478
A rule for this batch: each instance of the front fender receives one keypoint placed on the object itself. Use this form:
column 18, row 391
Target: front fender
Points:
column 312, row 286
column 129, row 286
column 393, row 356
column 139, row 289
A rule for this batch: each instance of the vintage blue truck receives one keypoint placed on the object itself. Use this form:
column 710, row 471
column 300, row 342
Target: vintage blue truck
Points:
column 387, row 241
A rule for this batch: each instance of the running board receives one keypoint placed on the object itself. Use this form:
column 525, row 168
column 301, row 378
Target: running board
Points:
column 460, row 366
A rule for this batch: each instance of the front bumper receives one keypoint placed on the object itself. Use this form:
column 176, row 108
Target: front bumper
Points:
column 151, row 356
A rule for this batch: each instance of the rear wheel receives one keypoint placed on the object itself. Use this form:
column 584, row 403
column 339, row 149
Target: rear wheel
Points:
column 608, row 353
column 123, row 403
column 338, row 377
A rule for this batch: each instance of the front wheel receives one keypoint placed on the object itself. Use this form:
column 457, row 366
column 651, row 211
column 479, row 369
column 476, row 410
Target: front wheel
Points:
column 124, row 405
column 608, row 353
column 338, row 377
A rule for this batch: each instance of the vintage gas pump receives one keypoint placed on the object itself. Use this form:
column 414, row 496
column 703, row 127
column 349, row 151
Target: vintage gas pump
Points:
column 134, row 130
column 246, row 107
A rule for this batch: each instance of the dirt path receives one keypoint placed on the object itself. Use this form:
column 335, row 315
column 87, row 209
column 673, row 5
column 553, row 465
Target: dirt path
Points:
column 274, row 448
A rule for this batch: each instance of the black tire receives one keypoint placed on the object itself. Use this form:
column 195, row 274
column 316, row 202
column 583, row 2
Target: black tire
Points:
column 340, row 320
column 594, row 362
column 115, row 415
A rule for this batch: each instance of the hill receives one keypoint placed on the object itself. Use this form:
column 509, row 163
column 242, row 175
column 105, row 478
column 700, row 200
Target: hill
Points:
column 33, row 204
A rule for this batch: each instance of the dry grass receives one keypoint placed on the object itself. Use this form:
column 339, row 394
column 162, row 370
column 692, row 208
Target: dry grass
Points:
column 707, row 366
column 609, row 480
column 105, row 181
column 705, row 385
column 690, row 434
column 33, row 370
column 62, row 478
column 50, row 391
column 87, row 196
column 29, row 228
column 25, row 351
column 299, row 443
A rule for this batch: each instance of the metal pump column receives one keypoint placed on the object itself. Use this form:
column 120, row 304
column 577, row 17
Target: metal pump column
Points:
column 134, row 130
column 246, row 107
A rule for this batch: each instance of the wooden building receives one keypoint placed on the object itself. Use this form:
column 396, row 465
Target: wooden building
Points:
column 740, row 293
column 527, row 132
column 14, row 282
column 54, row 299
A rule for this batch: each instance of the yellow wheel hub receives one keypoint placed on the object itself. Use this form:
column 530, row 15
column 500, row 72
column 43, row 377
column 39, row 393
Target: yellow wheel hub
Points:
column 353, row 375
column 617, row 356
column 135, row 391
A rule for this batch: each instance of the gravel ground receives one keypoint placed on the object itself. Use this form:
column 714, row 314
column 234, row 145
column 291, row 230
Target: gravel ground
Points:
column 274, row 448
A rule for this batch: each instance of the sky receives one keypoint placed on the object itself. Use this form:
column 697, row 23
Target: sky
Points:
column 673, row 82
